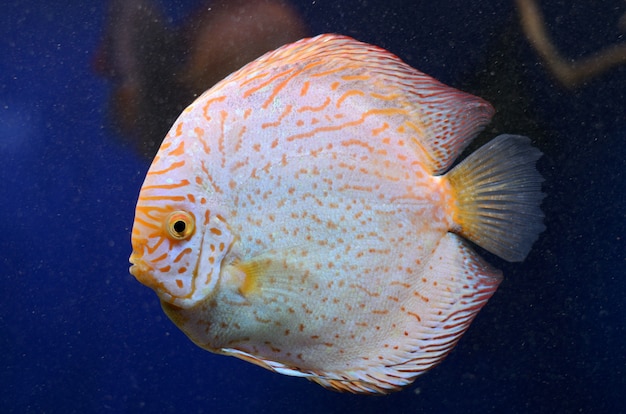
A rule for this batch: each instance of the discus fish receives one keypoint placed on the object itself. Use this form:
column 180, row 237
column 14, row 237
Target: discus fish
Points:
column 303, row 214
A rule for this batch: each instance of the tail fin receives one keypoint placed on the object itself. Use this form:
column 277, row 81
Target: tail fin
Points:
column 498, row 192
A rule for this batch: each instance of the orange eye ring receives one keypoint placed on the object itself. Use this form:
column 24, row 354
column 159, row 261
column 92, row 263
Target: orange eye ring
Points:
column 180, row 225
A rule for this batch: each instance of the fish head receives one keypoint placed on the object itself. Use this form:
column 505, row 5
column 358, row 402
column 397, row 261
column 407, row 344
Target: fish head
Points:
column 178, row 245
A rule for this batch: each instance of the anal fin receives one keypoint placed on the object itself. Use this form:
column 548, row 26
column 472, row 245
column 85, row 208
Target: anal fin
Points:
column 459, row 283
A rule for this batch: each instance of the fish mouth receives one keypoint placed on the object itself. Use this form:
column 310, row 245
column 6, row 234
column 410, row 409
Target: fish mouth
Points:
column 134, row 270
column 135, row 264
column 140, row 269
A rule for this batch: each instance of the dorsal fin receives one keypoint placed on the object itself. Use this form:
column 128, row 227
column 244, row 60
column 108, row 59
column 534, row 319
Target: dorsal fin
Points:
column 449, row 120
column 444, row 120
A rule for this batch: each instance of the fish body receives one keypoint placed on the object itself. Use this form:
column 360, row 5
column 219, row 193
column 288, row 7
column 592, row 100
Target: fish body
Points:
column 302, row 215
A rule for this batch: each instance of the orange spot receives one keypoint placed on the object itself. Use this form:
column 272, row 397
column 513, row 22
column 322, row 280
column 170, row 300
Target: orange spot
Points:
column 179, row 129
column 347, row 94
column 415, row 315
column 357, row 142
column 163, row 198
column 305, row 88
column 332, row 71
column 279, row 87
column 208, row 104
column 170, row 168
column 162, row 257
column 315, row 108
column 180, row 150
column 183, row 183
column 181, row 254
column 355, row 77
column 179, row 283
column 377, row 131
column 266, row 82
column 276, row 123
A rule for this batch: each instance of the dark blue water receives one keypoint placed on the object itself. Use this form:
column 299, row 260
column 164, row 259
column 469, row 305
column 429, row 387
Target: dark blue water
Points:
column 79, row 334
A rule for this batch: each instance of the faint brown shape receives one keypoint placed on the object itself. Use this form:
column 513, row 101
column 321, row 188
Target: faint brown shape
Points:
column 570, row 74
column 229, row 34
column 157, row 69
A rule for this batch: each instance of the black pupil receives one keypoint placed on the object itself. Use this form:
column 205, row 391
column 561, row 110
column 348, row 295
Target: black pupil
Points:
column 179, row 226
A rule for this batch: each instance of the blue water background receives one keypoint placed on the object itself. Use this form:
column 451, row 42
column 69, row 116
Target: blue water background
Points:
column 80, row 335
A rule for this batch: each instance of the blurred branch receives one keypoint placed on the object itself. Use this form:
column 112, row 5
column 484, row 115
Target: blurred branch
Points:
column 570, row 73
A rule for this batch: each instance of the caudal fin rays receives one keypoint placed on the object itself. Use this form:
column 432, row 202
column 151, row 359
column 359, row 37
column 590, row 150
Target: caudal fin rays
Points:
column 498, row 193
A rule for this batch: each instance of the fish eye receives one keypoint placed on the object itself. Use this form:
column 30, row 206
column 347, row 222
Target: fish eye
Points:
column 180, row 225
